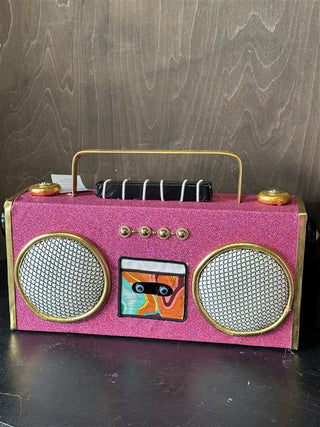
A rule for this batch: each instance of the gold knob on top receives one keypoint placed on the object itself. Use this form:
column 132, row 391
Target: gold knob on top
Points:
column 125, row 231
column 274, row 197
column 163, row 233
column 145, row 231
column 182, row 233
column 44, row 189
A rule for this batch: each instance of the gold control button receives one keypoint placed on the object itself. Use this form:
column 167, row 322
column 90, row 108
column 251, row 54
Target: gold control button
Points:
column 44, row 189
column 145, row 231
column 182, row 233
column 163, row 233
column 125, row 231
column 274, row 197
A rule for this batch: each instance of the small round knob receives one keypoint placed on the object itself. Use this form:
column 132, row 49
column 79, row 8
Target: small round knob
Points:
column 44, row 189
column 182, row 233
column 125, row 231
column 274, row 196
column 145, row 231
column 163, row 233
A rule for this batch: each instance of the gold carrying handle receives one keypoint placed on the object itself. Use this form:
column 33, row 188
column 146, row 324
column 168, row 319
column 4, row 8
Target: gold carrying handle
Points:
column 175, row 152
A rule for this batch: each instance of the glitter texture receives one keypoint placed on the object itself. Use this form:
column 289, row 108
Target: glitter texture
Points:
column 211, row 225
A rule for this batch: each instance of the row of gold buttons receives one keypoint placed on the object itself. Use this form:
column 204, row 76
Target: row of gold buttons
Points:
column 163, row 232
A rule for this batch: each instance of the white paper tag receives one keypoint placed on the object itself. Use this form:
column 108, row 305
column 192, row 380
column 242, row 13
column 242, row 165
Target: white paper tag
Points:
column 65, row 182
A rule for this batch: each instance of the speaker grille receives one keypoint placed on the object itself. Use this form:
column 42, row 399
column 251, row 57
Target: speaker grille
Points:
column 61, row 277
column 244, row 290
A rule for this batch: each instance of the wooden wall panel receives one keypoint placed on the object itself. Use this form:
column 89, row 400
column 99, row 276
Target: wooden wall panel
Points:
column 233, row 75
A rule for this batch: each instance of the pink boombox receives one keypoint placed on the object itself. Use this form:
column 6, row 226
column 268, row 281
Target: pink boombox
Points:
column 226, row 270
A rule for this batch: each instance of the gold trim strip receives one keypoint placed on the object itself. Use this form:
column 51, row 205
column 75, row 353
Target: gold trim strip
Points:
column 10, row 260
column 243, row 245
column 171, row 152
column 299, row 273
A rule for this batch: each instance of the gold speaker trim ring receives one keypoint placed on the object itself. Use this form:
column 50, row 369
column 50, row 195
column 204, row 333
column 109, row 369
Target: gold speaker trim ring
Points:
column 94, row 251
column 251, row 246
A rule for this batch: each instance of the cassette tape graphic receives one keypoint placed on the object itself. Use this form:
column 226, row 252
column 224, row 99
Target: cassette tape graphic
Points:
column 152, row 288
column 168, row 261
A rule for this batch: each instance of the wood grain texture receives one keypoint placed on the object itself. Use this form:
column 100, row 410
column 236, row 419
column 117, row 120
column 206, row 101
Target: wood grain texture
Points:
column 233, row 75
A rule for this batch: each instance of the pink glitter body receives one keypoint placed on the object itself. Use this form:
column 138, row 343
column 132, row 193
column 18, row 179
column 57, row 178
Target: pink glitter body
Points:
column 212, row 225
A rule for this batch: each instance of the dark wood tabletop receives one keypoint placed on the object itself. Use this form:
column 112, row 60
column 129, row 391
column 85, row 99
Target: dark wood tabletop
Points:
column 76, row 380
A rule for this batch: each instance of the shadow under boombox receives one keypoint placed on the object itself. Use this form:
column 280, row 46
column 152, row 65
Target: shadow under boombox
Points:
column 218, row 271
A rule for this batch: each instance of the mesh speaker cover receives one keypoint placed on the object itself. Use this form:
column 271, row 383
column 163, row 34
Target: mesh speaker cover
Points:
column 62, row 277
column 243, row 290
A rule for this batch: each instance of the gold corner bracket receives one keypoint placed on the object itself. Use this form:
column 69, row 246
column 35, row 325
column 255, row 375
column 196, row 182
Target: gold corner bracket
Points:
column 10, row 260
column 80, row 154
column 10, row 267
column 299, row 273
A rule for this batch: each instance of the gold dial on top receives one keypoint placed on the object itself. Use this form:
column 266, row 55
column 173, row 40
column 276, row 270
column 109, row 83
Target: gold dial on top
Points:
column 274, row 196
column 45, row 189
